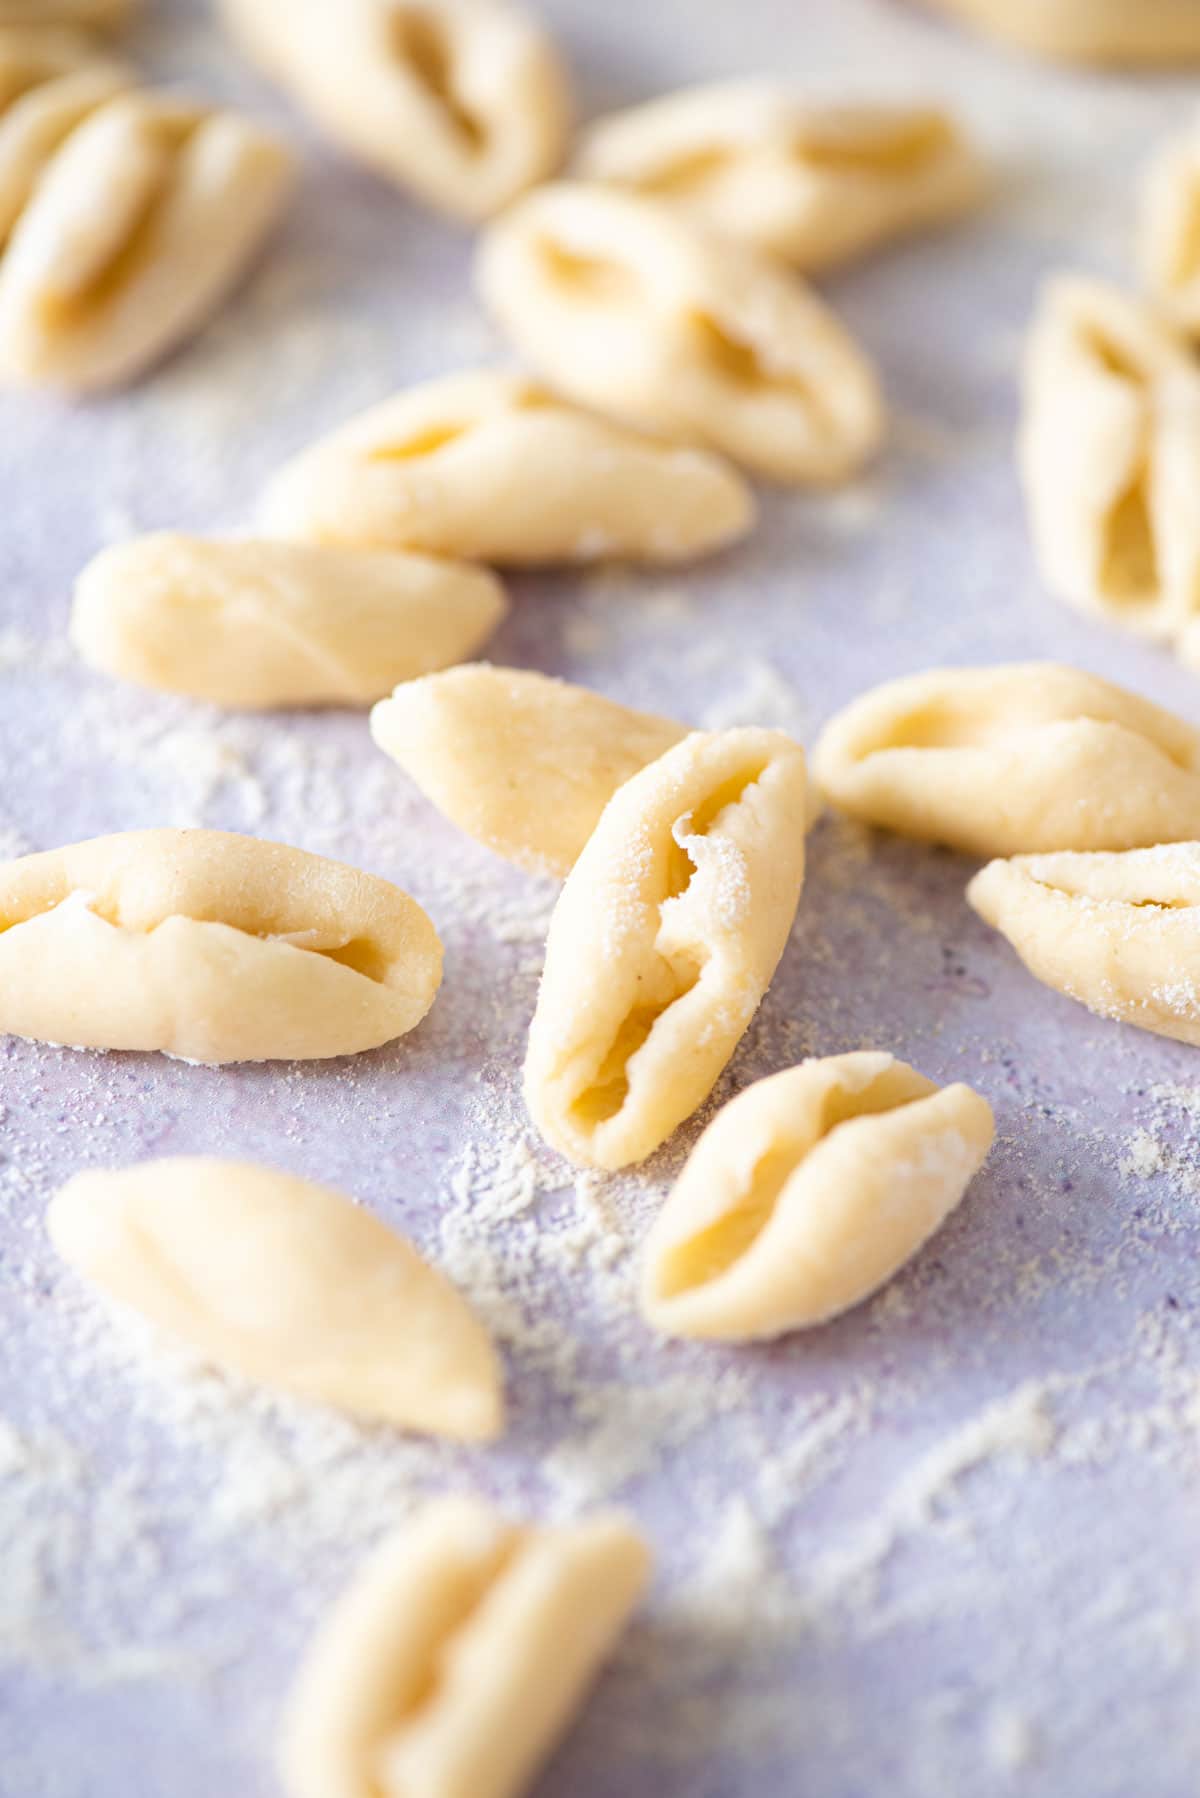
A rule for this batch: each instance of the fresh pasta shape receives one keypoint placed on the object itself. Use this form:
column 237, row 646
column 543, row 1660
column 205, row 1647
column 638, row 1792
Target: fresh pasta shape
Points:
column 626, row 306
column 806, row 1193
column 811, row 182
column 664, row 940
column 143, row 220
column 465, row 102
column 211, row 947
column 1025, row 757
column 456, row 1659
column 50, row 80
column 493, row 466
column 94, row 14
column 522, row 763
column 1109, row 454
column 1129, row 32
column 287, row 1283
column 1169, row 229
column 277, row 624
column 1118, row 932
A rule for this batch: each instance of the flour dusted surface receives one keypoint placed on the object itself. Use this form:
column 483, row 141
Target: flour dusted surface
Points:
column 942, row 1546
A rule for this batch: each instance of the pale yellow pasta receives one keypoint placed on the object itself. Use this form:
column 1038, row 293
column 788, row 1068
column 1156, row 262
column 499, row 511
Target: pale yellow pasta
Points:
column 811, row 181
column 493, row 466
column 664, row 940
column 95, row 14
column 1118, row 932
column 626, row 306
column 1026, row 756
column 806, row 1193
column 287, row 1283
column 143, row 220
column 211, row 947
column 465, row 102
column 1104, row 31
column 1169, row 229
column 50, row 80
column 523, row 763
column 459, row 1654
column 274, row 624
column 1109, row 453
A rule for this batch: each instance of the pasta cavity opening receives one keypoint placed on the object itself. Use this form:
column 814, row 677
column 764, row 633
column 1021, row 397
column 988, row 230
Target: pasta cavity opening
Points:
column 904, row 149
column 671, row 977
column 124, row 258
column 361, row 954
column 711, row 1252
column 603, row 1099
column 591, row 280
column 422, row 443
column 1065, row 888
column 688, row 172
column 941, row 723
column 1129, row 571
column 420, row 42
column 742, row 364
column 460, row 1603
column 730, row 792
column 1111, row 355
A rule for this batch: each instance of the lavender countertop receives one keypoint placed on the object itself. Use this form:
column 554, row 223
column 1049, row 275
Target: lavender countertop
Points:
column 948, row 1544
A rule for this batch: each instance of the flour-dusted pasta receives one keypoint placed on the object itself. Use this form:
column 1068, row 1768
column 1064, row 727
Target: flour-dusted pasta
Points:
column 1027, row 756
column 493, row 466
column 50, row 80
column 465, row 102
column 209, row 946
column 1103, row 31
column 459, row 1654
column 523, row 763
column 663, row 942
column 273, row 624
column 95, row 14
column 811, row 181
column 806, row 1193
column 627, row 306
column 287, row 1283
column 145, row 217
column 1169, row 228
column 1109, row 453
column 1118, row 932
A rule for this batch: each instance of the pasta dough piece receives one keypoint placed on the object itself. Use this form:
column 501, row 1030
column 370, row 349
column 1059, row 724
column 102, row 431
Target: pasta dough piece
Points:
column 663, row 942
column 209, row 946
column 806, row 1193
column 287, row 1283
column 1103, row 31
column 1120, row 933
column 522, row 763
column 50, row 80
column 457, row 1657
column 628, row 307
column 277, row 624
column 493, row 466
column 1109, row 453
column 146, row 216
column 464, row 101
column 1029, row 756
column 805, row 180
column 1169, row 229
column 95, row 14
